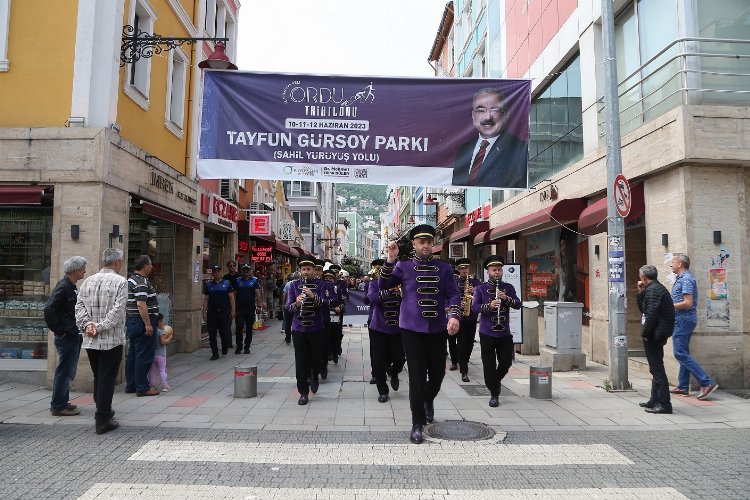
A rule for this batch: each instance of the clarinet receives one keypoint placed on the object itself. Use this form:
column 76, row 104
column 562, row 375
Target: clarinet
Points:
column 499, row 327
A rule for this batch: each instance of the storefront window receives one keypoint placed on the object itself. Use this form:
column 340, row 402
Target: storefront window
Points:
column 155, row 238
column 25, row 248
column 213, row 249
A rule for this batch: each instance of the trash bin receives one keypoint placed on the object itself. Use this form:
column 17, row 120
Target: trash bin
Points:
column 530, row 345
column 245, row 381
column 540, row 382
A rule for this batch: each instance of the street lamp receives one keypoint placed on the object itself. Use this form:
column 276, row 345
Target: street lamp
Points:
column 432, row 217
column 137, row 44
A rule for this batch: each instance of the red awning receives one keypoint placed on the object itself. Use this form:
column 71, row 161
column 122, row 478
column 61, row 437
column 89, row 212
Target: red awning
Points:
column 284, row 248
column 437, row 248
column 470, row 231
column 562, row 212
column 482, row 238
column 593, row 219
column 21, row 195
column 169, row 215
column 301, row 251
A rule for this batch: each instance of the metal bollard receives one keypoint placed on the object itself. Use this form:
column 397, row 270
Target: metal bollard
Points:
column 245, row 381
column 540, row 382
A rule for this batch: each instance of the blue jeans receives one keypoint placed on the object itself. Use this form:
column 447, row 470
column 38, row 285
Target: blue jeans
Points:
column 68, row 352
column 141, row 351
column 683, row 330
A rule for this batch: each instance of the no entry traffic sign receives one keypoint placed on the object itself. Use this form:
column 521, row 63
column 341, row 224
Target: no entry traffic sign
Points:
column 623, row 197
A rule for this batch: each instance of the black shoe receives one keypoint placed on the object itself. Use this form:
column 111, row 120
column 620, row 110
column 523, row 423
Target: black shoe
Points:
column 107, row 426
column 314, row 384
column 247, row 350
column 288, row 341
column 416, row 434
column 335, row 359
column 224, row 351
column 395, row 382
column 453, row 367
column 647, row 404
column 302, row 401
column 214, row 357
column 373, row 381
column 324, row 373
column 429, row 412
column 659, row 408
column 383, row 398
column 130, row 391
column 464, row 377
column 238, row 350
column 494, row 402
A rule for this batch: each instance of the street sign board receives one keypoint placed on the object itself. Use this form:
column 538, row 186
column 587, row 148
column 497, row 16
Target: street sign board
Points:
column 623, row 197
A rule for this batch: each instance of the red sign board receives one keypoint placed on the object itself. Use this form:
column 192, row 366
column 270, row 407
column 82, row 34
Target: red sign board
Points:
column 243, row 246
column 260, row 225
column 261, row 254
column 623, row 197
column 473, row 216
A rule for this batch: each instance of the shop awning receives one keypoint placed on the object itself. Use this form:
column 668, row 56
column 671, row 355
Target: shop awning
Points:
column 301, row 252
column 21, row 195
column 471, row 231
column 482, row 238
column 593, row 219
column 169, row 215
column 562, row 212
column 284, row 248
column 437, row 248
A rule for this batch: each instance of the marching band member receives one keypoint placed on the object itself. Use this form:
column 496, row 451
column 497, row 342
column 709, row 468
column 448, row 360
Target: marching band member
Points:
column 493, row 300
column 337, row 327
column 427, row 287
column 468, row 319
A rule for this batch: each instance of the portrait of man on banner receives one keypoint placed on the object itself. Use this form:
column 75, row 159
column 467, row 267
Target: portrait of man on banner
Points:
column 494, row 158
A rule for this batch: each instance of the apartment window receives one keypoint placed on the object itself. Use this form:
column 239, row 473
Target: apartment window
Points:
column 303, row 221
column 210, row 17
column 556, row 125
column 4, row 30
column 176, row 77
column 137, row 87
column 297, row 188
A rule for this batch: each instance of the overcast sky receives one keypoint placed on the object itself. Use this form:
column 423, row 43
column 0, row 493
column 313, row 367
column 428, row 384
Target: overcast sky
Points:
column 342, row 37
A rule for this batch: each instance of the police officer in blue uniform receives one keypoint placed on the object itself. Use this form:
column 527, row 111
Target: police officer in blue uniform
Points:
column 247, row 288
column 428, row 288
column 494, row 300
column 468, row 329
column 218, row 311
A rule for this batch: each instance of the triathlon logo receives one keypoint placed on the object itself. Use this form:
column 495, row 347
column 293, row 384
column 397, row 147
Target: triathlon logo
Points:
column 326, row 102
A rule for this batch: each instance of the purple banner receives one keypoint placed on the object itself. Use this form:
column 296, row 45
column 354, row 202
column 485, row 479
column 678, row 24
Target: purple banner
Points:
column 406, row 131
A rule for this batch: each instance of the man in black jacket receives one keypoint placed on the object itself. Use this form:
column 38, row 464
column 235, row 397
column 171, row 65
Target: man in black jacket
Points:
column 655, row 302
column 60, row 315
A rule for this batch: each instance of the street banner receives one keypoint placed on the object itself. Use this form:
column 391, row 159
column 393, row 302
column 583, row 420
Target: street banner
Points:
column 440, row 132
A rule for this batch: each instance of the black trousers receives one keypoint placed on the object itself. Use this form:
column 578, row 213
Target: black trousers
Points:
column 325, row 341
column 288, row 325
column 659, row 383
column 465, row 343
column 337, row 336
column 453, row 348
column 497, row 358
column 245, row 318
column 104, row 365
column 219, row 322
column 387, row 357
column 307, row 355
column 425, row 354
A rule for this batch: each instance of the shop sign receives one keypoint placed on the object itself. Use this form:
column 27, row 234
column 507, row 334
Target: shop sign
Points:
column 261, row 254
column 260, row 225
column 473, row 216
column 243, row 246
column 161, row 182
column 223, row 213
column 187, row 198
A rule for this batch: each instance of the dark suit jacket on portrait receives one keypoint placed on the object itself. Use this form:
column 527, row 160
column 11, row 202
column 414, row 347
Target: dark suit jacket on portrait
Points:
column 504, row 165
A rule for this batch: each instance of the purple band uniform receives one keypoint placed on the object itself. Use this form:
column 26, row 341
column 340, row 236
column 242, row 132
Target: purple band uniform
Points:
column 385, row 306
column 309, row 317
column 488, row 323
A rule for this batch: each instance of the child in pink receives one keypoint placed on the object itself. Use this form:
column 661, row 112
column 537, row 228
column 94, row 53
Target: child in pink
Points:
column 163, row 337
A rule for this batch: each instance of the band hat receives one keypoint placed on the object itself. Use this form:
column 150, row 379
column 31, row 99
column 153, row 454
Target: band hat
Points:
column 463, row 262
column 306, row 261
column 319, row 262
column 422, row 231
column 330, row 273
column 246, row 266
column 493, row 260
column 215, row 268
column 334, row 267
column 377, row 262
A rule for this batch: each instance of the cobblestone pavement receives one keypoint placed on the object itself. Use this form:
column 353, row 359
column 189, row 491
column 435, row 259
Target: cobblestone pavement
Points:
column 198, row 441
column 72, row 462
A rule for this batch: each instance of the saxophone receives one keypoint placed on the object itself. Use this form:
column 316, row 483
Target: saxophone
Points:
column 467, row 297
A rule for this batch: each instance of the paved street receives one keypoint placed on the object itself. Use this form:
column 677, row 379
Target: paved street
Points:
column 197, row 441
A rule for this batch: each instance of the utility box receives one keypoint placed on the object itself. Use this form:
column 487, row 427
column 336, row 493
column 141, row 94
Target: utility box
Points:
column 563, row 322
column 530, row 345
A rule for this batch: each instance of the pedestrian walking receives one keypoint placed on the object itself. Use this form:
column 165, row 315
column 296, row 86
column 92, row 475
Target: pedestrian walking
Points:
column 100, row 312
column 684, row 297
column 142, row 310
column 247, row 304
column 386, row 347
column 655, row 304
column 468, row 319
column 493, row 300
column 427, row 289
column 218, row 312
column 59, row 314
column 288, row 315
column 305, row 302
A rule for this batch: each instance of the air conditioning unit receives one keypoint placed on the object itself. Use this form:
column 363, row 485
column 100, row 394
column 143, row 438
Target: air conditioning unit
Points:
column 229, row 189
